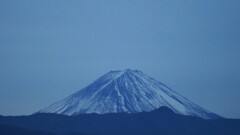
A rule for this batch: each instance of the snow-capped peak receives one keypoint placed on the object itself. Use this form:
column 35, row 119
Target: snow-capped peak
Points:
column 129, row 91
column 118, row 73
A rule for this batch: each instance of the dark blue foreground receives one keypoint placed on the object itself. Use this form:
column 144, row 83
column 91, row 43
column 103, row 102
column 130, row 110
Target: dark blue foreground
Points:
column 159, row 122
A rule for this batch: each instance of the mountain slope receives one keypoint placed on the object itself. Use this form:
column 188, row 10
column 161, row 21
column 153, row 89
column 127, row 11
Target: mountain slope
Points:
column 127, row 91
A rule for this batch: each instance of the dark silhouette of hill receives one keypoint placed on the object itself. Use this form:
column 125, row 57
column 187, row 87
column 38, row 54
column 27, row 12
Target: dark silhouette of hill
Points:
column 162, row 121
column 12, row 130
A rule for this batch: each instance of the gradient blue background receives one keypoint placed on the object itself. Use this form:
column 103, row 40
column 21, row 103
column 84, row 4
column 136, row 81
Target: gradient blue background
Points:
column 52, row 48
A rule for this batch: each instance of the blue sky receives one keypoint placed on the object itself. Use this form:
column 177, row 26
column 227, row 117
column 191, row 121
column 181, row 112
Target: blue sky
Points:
column 50, row 49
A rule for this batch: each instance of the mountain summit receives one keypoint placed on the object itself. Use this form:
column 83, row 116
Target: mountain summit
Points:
column 129, row 91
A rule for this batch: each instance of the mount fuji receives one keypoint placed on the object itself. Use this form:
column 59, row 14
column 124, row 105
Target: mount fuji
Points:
column 126, row 91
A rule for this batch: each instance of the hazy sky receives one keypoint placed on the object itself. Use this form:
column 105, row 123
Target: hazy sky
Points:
column 50, row 49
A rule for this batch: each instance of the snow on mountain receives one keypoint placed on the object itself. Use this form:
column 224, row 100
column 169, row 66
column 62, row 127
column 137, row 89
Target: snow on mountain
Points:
column 129, row 91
